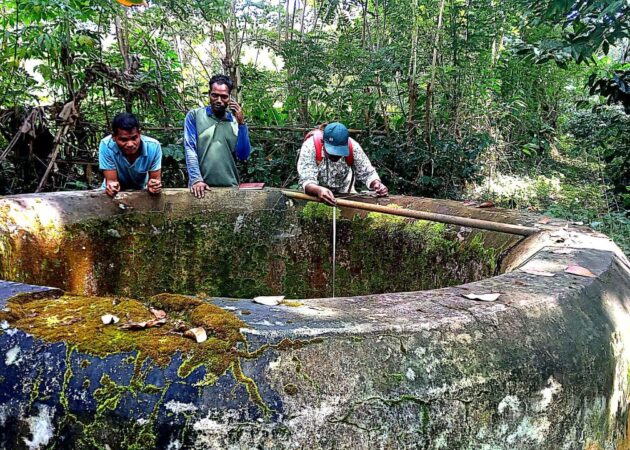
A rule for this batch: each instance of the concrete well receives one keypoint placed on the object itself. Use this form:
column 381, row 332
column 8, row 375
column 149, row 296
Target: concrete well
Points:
column 399, row 359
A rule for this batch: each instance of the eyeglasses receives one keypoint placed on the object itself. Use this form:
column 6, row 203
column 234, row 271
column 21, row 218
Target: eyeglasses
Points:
column 221, row 96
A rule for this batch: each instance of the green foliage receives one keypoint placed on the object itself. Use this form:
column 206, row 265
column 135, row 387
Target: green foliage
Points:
column 604, row 135
column 580, row 31
column 174, row 151
column 433, row 124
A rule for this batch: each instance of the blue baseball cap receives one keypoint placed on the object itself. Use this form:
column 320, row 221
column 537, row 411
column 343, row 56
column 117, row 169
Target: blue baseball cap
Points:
column 336, row 139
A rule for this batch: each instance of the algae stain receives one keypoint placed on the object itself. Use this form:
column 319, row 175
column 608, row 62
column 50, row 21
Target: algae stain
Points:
column 250, row 385
column 88, row 335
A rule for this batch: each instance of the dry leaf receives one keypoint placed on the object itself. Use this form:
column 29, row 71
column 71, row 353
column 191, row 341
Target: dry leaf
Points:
column 198, row 334
column 133, row 325
column 544, row 220
column 158, row 313
column 487, row 204
column 541, row 273
column 271, row 300
column 581, row 271
column 155, row 323
column 482, row 297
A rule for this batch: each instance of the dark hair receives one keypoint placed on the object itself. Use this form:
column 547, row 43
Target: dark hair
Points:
column 221, row 79
column 124, row 121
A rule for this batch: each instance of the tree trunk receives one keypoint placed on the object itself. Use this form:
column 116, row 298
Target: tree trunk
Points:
column 123, row 45
column 412, row 92
column 428, row 125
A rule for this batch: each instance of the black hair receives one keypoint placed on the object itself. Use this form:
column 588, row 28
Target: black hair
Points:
column 221, row 79
column 124, row 121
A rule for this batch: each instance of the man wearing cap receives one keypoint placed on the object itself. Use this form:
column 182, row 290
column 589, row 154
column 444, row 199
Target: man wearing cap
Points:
column 334, row 166
column 213, row 135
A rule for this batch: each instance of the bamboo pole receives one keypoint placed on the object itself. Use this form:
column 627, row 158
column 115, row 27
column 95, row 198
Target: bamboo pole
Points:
column 433, row 217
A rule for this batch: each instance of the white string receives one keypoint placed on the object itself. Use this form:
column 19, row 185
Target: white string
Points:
column 334, row 249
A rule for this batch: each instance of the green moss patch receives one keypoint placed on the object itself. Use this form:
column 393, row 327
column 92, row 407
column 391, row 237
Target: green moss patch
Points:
column 76, row 320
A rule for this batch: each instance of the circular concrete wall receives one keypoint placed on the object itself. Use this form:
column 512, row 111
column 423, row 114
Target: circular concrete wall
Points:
column 231, row 244
column 544, row 366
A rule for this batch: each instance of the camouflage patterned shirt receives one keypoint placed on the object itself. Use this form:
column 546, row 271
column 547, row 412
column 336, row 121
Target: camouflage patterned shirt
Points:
column 336, row 176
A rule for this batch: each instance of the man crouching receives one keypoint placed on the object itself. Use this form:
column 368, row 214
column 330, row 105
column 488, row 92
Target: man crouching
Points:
column 128, row 159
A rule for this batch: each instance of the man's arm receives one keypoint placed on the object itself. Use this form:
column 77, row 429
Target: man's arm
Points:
column 190, row 145
column 112, row 186
column 107, row 164
column 323, row 194
column 195, row 180
column 365, row 172
column 154, row 186
column 308, row 171
column 243, row 147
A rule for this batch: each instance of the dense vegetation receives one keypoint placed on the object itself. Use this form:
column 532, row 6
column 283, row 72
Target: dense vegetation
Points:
column 523, row 102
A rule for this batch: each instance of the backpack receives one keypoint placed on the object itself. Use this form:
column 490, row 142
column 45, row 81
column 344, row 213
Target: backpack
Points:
column 318, row 138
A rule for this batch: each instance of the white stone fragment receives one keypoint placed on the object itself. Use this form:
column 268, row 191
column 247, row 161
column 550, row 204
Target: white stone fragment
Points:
column 198, row 334
column 271, row 300
column 108, row 319
column 483, row 297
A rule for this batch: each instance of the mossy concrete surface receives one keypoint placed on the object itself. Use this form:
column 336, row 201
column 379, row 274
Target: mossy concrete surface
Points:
column 545, row 366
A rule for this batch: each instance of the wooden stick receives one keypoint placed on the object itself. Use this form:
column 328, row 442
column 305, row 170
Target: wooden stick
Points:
column 433, row 217
column 53, row 157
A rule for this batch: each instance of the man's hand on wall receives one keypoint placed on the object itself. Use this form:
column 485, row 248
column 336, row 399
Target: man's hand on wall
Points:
column 112, row 188
column 199, row 189
column 380, row 189
column 154, row 186
column 326, row 196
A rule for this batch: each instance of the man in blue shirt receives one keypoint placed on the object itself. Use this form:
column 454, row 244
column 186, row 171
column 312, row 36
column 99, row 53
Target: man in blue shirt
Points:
column 128, row 159
column 212, row 136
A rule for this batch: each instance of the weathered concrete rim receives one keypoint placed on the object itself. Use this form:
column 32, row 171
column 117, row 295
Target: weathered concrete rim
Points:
column 545, row 366
column 397, row 312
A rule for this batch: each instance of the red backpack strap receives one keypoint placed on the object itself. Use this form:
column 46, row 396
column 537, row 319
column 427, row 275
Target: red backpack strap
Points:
column 318, row 140
column 350, row 158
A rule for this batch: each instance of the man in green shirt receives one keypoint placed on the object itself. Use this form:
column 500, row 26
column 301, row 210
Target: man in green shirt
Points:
column 213, row 137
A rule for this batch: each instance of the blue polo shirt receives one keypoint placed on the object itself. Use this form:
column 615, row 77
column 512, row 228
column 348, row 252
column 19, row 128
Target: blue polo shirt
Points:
column 130, row 176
